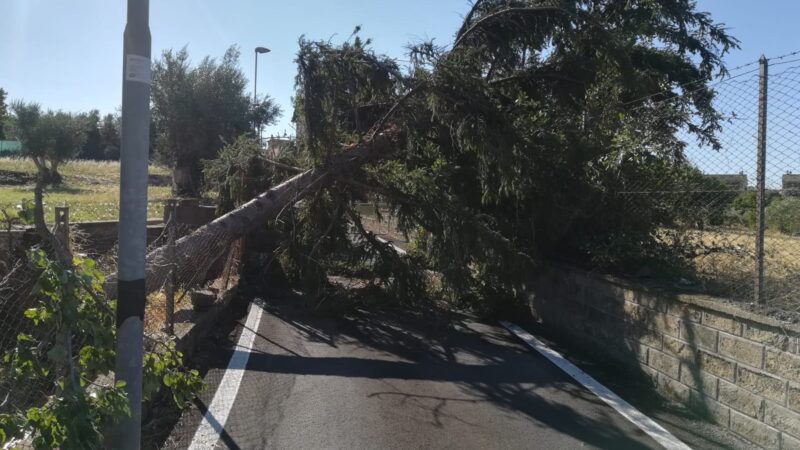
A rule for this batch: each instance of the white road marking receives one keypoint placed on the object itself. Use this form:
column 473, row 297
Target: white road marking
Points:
column 213, row 424
column 654, row 430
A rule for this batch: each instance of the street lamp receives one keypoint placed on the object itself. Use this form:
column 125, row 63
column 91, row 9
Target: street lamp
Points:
column 255, row 87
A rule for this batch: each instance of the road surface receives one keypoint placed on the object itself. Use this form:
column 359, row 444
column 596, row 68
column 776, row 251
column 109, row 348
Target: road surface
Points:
column 392, row 380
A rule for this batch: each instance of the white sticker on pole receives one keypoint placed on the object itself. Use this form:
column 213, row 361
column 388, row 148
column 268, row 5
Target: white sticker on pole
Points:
column 137, row 68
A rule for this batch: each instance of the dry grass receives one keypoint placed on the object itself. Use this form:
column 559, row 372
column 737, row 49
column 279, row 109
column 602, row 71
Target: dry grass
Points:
column 728, row 268
column 90, row 189
column 779, row 249
column 155, row 314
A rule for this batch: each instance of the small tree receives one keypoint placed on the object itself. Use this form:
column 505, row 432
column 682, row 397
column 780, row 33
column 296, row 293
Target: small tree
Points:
column 3, row 113
column 197, row 110
column 48, row 138
column 92, row 147
column 784, row 215
column 109, row 136
column 102, row 137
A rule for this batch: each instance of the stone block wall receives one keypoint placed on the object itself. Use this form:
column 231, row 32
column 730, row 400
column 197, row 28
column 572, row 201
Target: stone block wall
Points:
column 736, row 368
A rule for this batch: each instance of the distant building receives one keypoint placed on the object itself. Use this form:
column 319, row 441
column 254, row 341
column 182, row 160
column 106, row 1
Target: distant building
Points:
column 790, row 183
column 736, row 182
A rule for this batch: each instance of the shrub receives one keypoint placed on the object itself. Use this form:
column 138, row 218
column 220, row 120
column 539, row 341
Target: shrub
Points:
column 71, row 343
column 784, row 215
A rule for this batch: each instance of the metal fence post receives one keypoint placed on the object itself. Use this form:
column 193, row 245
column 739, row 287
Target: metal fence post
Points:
column 62, row 225
column 171, row 280
column 761, row 178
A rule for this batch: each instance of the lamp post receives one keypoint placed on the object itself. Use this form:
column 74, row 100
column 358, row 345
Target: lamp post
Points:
column 255, row 88
column 135, row 142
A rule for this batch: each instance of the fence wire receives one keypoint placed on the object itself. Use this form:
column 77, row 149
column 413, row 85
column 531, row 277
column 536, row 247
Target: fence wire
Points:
column 709, row 189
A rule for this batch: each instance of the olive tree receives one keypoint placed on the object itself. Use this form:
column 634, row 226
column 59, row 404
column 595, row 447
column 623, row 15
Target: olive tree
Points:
column 49, row 138
column 198, row 109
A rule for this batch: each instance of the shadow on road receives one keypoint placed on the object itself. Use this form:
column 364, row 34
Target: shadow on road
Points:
column 486, row 364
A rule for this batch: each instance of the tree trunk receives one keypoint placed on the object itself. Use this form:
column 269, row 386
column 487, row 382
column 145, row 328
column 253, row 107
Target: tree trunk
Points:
column 186, row 177
column 54, row 176
column 197, row 251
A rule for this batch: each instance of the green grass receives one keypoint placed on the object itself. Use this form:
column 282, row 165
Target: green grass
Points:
column 90, row 189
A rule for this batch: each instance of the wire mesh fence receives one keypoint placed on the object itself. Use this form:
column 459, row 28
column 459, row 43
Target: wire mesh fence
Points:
column 712, row 197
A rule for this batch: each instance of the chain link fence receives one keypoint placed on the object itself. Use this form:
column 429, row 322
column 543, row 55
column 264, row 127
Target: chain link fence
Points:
column 725, row 195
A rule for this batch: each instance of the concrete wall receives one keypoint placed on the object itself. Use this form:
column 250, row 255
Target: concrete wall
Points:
column 738, row 369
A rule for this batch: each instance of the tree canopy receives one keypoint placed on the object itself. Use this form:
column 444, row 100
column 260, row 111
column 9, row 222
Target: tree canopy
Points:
column 518, row 136
column 3, row 113
column 48, row 138
column 102, row 137
column 199, row 109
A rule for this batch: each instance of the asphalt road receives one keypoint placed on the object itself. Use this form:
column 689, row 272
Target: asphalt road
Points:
column 400, row 380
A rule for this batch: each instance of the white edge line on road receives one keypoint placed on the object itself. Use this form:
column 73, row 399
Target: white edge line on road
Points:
column 213, row 423
column 654, row 430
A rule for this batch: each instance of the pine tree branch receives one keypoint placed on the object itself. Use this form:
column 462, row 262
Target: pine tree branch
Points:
column 380, row 123
column 282, row 165
column 378, row 190
column 534, row 75
column 477, row 25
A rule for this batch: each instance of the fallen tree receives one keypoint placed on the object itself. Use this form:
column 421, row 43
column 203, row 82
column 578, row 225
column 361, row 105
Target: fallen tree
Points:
column 515, row 142
column 196, row 252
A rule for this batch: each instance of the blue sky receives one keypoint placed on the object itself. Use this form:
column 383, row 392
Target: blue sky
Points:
column 67, row 54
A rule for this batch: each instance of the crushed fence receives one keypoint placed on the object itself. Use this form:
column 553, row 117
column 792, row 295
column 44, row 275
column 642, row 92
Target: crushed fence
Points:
column 735, row 207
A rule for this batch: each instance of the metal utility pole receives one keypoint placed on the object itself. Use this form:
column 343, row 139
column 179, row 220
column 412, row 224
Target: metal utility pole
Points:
column 135, row 141
column 259, row 50
column 761, row 178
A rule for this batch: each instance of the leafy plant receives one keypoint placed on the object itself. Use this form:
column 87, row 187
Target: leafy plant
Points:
column 71, row 345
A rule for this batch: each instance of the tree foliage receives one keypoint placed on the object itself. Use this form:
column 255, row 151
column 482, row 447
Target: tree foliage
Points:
column 3, row 113
column 199, row 109
column 102, row 137
column 237, row 174
column 71, row 344
column 783, row 214
column 518, row 137
column 110, row 136
column 49, row 138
